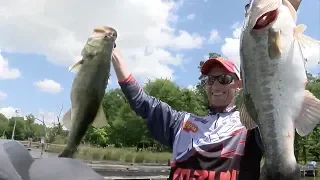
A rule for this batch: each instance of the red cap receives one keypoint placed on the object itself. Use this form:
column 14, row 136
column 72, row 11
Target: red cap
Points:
column 227, row 64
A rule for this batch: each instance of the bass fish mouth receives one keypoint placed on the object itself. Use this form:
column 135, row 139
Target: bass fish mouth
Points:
column 107, row 31
column 266, row 19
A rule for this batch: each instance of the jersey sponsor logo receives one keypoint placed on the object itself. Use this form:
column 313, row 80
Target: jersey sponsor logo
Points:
column 189, row 126
column 189, row 174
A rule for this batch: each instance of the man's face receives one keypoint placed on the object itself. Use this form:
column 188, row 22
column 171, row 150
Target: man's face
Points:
column 221, row 95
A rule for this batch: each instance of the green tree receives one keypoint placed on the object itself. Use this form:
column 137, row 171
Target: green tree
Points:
column 309, row 146
column 99, row 137
column 192, row 102
column 314, row 141
column 4, row 122
column 38, row 131
column 29, row 130
column 112, row 101
column 129, row 129
column 166, row 91
column 19, row 130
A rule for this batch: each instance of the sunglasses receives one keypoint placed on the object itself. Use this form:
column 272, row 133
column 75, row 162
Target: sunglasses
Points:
column 223, row 79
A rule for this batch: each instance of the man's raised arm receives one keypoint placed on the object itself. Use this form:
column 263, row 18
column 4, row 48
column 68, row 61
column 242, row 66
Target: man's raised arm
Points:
column 163, row 122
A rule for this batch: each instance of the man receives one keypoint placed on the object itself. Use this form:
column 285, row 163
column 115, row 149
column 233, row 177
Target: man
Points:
column 213, row 147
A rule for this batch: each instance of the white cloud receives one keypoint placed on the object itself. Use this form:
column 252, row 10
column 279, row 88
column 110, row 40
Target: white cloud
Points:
column 191, row 16
column 2, row 95
column 6, row 71
column 231, row 47
column 313, row 56
column 59, row 30
column 153, row 63
column 9, row 112
column 214, row 36
column 49, row 86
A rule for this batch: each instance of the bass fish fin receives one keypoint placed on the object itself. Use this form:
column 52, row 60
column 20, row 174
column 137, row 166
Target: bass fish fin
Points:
column 76, row 66
column 100, row 120
column 274, row 44
column 309, row 116
column 304, row 41
column 66, row 120
column 299, row 29
column 245, row 118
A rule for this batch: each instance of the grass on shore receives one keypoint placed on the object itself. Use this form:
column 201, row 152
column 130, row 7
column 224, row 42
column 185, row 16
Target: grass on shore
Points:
column 116, row 154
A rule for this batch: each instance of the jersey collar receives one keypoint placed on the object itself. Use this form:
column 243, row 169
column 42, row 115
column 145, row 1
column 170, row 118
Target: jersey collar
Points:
column 228, row 109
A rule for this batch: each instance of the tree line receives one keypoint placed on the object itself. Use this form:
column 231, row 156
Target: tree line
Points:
column 126, row 129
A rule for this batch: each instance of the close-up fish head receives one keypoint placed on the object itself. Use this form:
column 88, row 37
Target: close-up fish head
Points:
column 271, row 23
column 261, row 13
column 101, row 39
column 269, row 15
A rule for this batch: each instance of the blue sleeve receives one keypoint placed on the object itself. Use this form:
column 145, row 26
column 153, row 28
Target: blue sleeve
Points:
column 162, row 121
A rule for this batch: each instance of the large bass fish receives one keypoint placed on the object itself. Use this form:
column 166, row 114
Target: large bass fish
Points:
column 272, row 51
column 88, row 87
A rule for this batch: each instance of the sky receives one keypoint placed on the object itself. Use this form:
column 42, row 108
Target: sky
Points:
column 40, row 39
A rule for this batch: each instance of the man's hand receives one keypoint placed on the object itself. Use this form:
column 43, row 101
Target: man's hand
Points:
column 116, row 55
column 119, row 65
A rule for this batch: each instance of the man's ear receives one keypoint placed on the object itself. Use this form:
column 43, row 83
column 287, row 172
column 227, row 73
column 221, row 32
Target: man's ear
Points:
column 238, row 83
